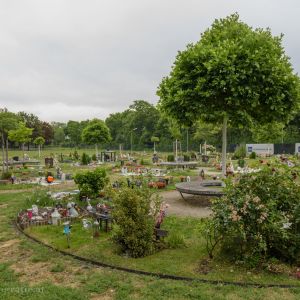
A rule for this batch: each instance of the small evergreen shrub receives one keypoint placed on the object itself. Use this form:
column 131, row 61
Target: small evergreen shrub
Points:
column 252, row 155
column 186, row 157
column 240, row 152
column 241, row 163
column 76, row 155
column 171, row 158
column 94, row 158
column 85, row 159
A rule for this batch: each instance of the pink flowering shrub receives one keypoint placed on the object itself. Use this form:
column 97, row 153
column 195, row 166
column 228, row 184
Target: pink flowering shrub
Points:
column 258, row 218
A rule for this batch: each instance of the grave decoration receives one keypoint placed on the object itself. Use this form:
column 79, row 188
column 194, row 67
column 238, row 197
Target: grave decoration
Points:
column 67, row 232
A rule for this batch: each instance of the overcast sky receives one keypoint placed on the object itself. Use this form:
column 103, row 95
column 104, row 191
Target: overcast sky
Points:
column 79, row 59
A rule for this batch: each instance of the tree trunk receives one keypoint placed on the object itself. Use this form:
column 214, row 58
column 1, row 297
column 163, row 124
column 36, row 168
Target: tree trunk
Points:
column 39, row 151
column 3, row 151
column 224, row 145
column 23, row 150
column 187, row 140
column 6, row 155
column 154, row 147
column 176, row 151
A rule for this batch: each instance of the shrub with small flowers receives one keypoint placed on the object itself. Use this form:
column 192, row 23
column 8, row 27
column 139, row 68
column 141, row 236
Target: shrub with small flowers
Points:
column 258, row 218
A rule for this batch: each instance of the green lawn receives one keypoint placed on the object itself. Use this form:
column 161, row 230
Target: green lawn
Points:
column 31, row 271
column 184, row 261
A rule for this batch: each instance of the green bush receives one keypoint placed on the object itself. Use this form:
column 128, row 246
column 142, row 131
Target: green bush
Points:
column 259, row 218
column 134, row 215
column 186, row 157
column 94, row 157
column 170, row 158
column 76, row 155
column 90, row 183
column 85, row 159
column 240, row 152
column 241, row 163
column 6, row 175
column 252, row 155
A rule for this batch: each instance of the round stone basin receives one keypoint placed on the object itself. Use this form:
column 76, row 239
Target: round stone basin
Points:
column 205, row 188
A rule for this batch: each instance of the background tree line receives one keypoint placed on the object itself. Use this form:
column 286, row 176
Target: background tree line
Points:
column 142, row 124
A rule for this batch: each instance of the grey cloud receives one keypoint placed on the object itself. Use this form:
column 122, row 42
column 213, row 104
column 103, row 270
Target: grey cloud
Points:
column 81, row 59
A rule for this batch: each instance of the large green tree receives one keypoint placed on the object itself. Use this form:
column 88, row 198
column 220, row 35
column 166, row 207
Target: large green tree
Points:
column 233, row 74
column 95, row 133
column 21, row 135
column 31, row 121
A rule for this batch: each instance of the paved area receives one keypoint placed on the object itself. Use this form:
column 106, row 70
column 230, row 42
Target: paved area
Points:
column 191, row 207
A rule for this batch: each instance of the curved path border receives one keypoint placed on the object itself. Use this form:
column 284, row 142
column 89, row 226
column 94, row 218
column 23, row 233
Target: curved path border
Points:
column 153, row 274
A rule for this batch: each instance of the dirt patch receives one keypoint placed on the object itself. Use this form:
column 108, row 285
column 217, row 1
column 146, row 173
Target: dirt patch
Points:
column 105, row 296
column 9, row 250
column 204, row 267
column 8, row 243
column 190, row 207
column 35, row 273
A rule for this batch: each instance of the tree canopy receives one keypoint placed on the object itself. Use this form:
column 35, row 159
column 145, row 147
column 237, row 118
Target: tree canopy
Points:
column 96, row 132
column 233, row 74
column 231, row 71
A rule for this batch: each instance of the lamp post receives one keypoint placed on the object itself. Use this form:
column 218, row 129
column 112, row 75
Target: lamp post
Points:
column 131, row 140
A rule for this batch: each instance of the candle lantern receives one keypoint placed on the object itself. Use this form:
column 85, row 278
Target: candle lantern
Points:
column 55, row 216
column 96, row 229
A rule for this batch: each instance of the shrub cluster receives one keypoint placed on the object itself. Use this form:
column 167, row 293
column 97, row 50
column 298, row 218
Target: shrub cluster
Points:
column 240, row 152
column 92, row 182
column 134, row 215
column 258, row 218
column 170, row 158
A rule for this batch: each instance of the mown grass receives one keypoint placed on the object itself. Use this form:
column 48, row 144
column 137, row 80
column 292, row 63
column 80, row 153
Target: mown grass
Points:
column 183, row 261
column 98, row 283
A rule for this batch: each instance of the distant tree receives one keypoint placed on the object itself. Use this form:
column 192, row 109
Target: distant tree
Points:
column 268, row 133
column 143, row 116
column 95, row 133
column 59, row 133
column 39, row 141
column 8, row 121
column 233, row 74
column 74, row 130
column 47, row 132
column 31, row 121
column 21, row 135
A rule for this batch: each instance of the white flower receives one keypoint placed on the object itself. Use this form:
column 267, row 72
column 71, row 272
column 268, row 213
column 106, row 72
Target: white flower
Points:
column 286, row 225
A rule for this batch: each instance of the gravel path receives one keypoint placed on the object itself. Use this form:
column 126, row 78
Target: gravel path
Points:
column 191, row 207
